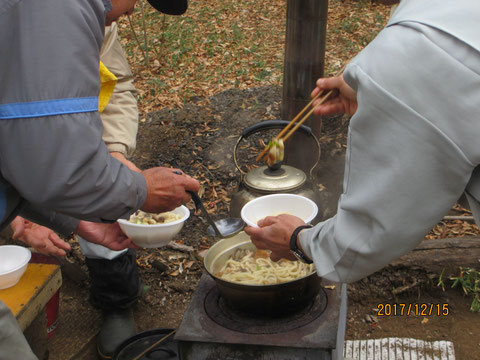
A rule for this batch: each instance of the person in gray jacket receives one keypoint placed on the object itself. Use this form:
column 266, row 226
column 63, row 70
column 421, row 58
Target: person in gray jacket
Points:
column 54, row 167
column 59, row 170
column 414, row 93
column 115, row 284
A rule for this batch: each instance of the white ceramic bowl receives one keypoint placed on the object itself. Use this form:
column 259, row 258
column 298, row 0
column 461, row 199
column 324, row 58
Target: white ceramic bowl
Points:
column 276, row 204
column 155, row 236
column 13, row 263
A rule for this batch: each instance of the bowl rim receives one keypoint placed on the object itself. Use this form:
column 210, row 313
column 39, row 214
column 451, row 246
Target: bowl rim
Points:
column 253, row 201
column 183, row 219
column 25, row 262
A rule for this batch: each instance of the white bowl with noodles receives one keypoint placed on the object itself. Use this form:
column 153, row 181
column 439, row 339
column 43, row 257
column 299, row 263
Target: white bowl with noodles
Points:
column 155, row 235
column 276, row 204
column 13, row 263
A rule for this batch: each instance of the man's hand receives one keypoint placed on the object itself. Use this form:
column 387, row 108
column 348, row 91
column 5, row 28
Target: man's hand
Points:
column 343, row 100
column 166, row 189
column 274, row 234
column 108, row 235
column 39, row 237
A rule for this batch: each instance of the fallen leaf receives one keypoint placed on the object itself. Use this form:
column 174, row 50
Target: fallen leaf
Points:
column 174, row 273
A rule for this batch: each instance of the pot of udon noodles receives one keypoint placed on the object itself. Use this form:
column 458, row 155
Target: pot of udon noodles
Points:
column 247, row 282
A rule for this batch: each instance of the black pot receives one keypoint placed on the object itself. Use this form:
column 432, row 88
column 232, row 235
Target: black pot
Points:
column 267, row 300
column 156, row 344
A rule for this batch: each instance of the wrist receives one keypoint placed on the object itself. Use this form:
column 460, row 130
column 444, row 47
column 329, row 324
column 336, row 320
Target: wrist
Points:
column 296, row 248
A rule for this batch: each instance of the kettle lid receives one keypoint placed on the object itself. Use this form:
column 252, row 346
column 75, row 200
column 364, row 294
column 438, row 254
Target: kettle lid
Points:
column 286, row 178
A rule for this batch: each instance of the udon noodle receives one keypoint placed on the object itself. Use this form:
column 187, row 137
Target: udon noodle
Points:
column 255, row 268
column 145, row 218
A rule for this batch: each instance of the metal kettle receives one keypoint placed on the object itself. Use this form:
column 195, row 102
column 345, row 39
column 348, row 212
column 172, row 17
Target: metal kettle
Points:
column 266, row 180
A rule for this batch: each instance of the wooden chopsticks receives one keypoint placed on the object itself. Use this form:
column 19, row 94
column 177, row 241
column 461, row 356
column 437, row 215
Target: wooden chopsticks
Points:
column 297, row 125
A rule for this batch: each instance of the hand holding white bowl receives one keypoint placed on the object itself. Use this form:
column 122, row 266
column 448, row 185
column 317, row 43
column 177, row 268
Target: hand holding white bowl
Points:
column 273, row 233
column 276, row 204
column 271, row 220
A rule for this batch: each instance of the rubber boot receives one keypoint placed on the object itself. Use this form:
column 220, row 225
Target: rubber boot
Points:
column 118, row 325
column 115, row 287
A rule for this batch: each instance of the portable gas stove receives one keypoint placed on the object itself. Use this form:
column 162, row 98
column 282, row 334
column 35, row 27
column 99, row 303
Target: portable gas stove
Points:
column 211, row 330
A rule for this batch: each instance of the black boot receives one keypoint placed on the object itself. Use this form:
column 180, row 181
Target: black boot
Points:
column 118, row 325
column 115, row 287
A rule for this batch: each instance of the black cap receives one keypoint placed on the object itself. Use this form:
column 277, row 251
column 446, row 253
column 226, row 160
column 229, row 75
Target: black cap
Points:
column 170, row 7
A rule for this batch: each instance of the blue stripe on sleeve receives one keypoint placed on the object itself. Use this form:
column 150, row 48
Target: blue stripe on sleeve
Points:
column 48, row 108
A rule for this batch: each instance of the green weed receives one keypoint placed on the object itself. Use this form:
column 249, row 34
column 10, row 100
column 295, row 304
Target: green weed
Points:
column 469, row 281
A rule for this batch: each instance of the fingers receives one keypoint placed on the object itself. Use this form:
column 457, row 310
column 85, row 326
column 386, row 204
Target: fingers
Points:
column 256, row 237
column 329, row 83
column 189, row 183
column 17, row 232
column 333, row 106
column 59, row 243
column 116, row 241
column 133, row 246
column 167, row 189
column 251, row 231
column 315, row 92
column 52, row 250
column 344, row 101
column 323, row 84
column 46, row 247
column 120, row 245
column 18, row 227
column 269, row 220
column 275, row 257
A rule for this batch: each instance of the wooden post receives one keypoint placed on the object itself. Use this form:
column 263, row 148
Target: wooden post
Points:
column 304, row 64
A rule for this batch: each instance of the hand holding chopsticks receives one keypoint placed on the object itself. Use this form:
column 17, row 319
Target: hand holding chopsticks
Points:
column 294, row 120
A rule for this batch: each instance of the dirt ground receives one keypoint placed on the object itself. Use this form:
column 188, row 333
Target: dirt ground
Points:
column 199, row 139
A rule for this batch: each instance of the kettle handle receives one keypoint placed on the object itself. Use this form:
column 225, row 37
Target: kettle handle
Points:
column 273, row 124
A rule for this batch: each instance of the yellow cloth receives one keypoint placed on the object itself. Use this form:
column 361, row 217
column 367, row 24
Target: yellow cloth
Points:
column 107, row 84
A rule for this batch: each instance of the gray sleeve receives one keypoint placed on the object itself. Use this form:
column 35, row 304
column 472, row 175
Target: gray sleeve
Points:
column 407, row 161
column 61, row 224
column 60, row 163
column 13, row 344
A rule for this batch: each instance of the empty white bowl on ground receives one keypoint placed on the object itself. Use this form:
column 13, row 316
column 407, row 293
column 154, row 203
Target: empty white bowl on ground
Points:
column 157, row 235
column 13, row 263
column 276, row 204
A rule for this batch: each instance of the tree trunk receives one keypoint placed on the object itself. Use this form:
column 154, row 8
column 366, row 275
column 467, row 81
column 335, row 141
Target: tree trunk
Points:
column 449, row 254
column 304, row 64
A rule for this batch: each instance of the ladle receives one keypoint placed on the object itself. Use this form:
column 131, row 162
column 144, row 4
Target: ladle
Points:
column 222, row 228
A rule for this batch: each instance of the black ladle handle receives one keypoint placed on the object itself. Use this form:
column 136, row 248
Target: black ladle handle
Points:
column 199, row 205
